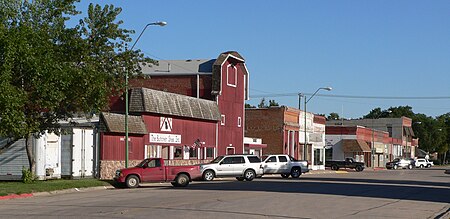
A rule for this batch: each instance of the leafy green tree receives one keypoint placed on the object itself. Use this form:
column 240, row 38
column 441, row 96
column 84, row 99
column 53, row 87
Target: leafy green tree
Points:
column 262, row 103
column 333, row 116
column 249, row 106
column 51, row 72
column 273, row 103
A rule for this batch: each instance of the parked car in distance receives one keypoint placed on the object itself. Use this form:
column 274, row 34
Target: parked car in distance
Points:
column 285, row 165
column 241, row 166
column 154, row 170
column 347, row 163
column 400, row 163
column 422, row 162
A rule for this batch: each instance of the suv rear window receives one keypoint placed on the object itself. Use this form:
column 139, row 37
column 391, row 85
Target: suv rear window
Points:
column 254, row 159
column 282, row 158
column 238, row 160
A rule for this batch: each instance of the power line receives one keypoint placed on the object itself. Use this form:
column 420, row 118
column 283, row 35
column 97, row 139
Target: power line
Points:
column 354, row 96
column 321, row 95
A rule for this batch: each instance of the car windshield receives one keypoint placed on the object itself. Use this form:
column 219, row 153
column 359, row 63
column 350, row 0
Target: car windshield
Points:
column 396, row 160
column 264, row 157
column 217, row 159
column 142, row 163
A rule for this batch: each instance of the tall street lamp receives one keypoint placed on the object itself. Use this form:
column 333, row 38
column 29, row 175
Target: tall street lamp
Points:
column 305, row 152
column 159, row 23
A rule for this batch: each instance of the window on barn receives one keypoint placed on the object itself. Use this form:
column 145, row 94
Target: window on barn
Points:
column 193, row 153
column 177, row 152
column 209, row 152
column 165, row 153
column 222, row 121
column 231, row 75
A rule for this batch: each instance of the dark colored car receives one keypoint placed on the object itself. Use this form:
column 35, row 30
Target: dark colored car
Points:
column 347, row 163
column 405, row 163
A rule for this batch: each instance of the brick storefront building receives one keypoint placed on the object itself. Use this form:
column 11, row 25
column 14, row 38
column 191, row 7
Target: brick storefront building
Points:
column 282, row 130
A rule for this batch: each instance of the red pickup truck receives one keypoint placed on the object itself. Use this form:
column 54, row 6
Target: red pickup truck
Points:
column 154, row 170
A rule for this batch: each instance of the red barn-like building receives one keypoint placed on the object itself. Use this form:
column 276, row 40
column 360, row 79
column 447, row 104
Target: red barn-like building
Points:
column 184, row 111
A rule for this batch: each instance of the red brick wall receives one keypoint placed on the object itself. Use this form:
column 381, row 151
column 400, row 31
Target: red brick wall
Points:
column 268, row 125
column 186, row 85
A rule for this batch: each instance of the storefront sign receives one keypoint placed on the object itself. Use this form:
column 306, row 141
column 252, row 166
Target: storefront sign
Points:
column 165, row 138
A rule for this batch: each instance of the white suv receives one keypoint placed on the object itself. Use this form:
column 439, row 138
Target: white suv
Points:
column 240, row 166
column 424, row 163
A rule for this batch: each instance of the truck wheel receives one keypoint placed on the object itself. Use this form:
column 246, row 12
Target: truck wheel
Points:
column 239, row 178
column 395, row 167
column 285, row 175
column 335, row 167
column 208, row 175
column 132, row 181
column 359, row 168
column 249, row 175
column 182, row 180
column 296, row 172
column 410, row 166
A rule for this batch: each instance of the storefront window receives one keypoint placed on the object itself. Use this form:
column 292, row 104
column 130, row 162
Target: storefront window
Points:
column 152, row 151
column 165, row 153
column 318, row 158
column 177, row 153
column 193, row 153
column 209, row 152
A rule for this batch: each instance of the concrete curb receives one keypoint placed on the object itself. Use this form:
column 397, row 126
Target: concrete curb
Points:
column 64, row 191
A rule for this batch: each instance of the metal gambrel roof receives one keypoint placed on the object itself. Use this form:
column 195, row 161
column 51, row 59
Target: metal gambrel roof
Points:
column 113, row 122
column 154, row 101
column 179, row 67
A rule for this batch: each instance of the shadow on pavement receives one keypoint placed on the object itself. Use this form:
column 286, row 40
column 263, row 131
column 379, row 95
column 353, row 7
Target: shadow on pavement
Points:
column 341, row 187
column 403, row 182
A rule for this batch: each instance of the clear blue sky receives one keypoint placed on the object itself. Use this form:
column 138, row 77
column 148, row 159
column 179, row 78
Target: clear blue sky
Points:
column 362, row 48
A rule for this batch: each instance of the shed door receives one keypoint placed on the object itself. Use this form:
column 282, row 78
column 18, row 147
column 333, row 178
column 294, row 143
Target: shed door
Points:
column 88, row 152
column 66, row 155
column 76, row 152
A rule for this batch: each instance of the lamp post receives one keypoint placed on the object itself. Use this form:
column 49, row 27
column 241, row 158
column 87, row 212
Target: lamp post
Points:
column 159, row 23
column 372, row 149
column 305, row 152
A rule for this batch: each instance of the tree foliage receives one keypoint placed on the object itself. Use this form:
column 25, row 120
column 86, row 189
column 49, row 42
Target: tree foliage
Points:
column 249, row 106
column 263, row 104
column 51, row 72
column 333, row 116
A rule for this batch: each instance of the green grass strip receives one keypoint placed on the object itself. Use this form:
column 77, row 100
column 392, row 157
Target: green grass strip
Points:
column 7, row 188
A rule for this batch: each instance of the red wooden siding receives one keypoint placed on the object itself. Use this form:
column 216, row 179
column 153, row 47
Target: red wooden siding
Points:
column 190, row 130
column 231, row 104
column 113, row 147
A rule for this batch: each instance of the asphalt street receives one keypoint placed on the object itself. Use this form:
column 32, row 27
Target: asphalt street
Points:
column 418, row 193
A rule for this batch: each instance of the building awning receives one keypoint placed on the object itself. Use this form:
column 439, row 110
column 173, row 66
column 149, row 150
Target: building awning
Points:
column 255, row 145
column 353, row 145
